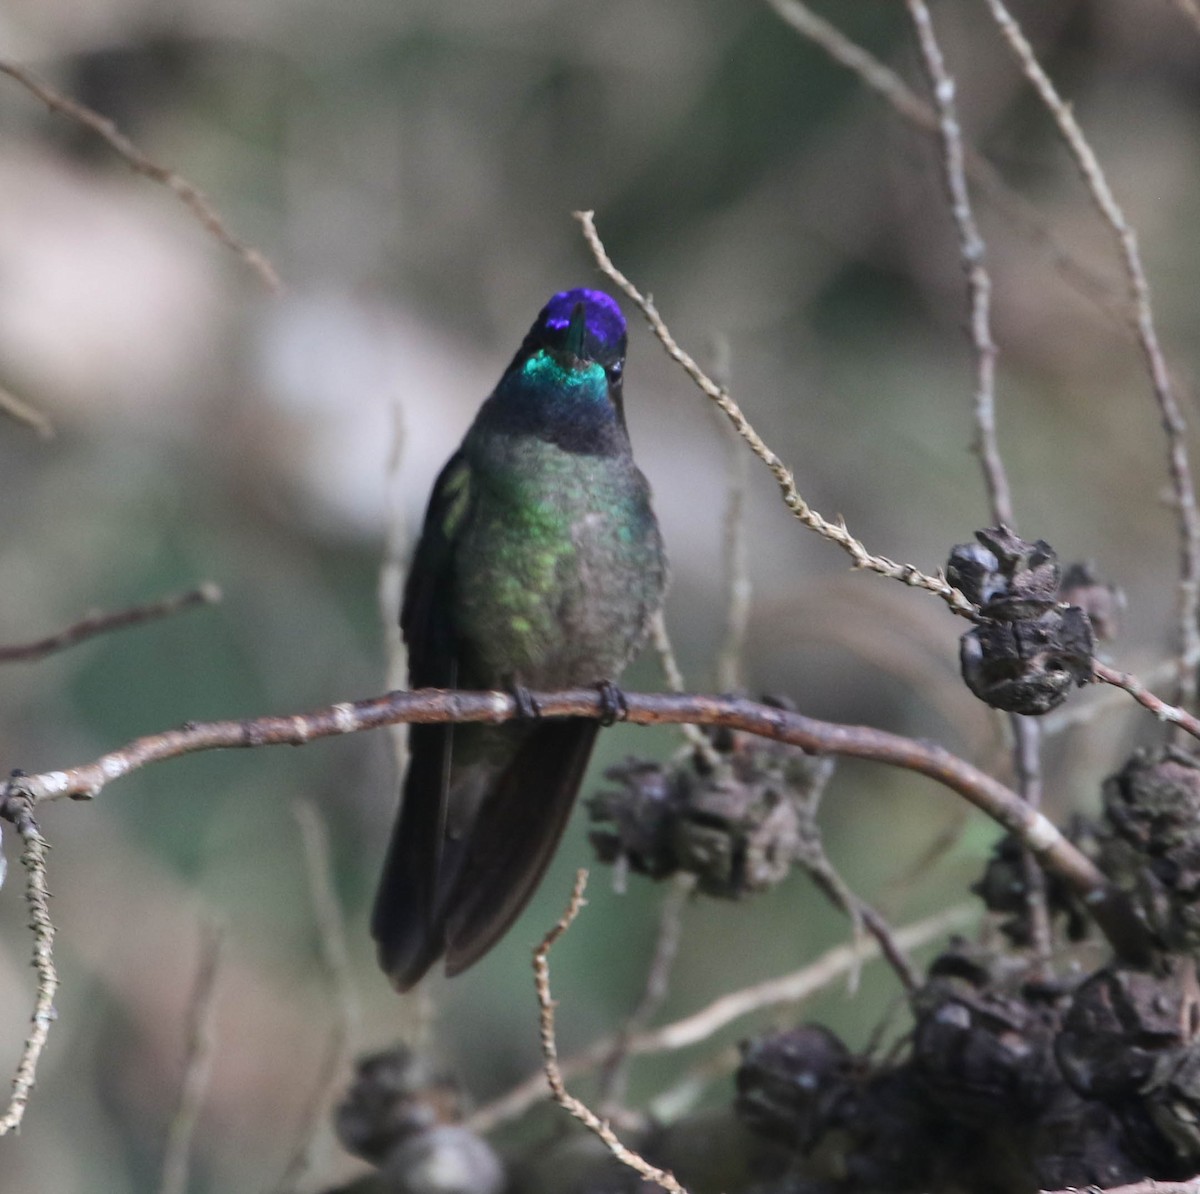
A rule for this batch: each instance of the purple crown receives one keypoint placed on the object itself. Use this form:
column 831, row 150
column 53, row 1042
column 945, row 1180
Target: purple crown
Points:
column 605, row 323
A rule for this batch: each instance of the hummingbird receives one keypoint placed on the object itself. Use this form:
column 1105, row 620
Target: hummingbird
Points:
column 540, row 566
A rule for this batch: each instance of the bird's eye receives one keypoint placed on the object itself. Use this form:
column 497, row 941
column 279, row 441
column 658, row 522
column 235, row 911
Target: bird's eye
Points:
column 615, row 370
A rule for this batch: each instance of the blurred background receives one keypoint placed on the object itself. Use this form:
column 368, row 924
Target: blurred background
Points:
column 410, row 169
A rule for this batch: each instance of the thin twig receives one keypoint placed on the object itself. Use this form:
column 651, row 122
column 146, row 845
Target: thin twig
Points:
column 1166, row 713
column 197, row 1064
column 658, row 980
column 566, row 1100
column 1174, row 425
column 660, row 640
column 391, row 583
column 20, row 411
column 331, row 928
column 313, row 1113
column 820, row 869
column 972, row 251
column 1027, row 752
column 835, row 532
column 1109, row 908
column 1104, row 701
column 33, row 858
column 335, row 959
column 1013, row 206
column 94, row 624
column 192, row 198
column 738, row 589
column 789, row 989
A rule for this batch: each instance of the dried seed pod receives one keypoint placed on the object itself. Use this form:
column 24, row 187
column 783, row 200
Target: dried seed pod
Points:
column 1102, row 603
column 1029, row 665
column 394, row 1095
column 1004, row 567
column 738, row 827
column 1078, row 1143
column 980, row 1049
column 790, row 1083
column 1151, row 846
column 637, row 817
column 1032, row 650
column 1004, row 887
column 1172, row 1099
column 1120, row 1023
column 975, row 570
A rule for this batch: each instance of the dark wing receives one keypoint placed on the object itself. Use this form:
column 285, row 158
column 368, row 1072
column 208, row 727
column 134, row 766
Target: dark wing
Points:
column 515, row 835
column 404, row 922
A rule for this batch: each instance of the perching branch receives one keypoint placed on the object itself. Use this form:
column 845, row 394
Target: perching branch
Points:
column 563, row 1097
column 192, row 198
column 427, row 706
column 94, row 624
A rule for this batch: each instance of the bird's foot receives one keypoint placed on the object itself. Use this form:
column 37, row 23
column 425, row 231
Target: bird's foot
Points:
column 527, row 708
column 613, row 705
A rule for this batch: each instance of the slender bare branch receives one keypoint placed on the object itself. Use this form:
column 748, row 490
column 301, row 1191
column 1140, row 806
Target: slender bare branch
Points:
column 301, row 1159
column 700, row 1026
column 1105, row 701
column 836, row 532
column 37, row 896
column 1174, row 425
column 391, row 583
column 192, row 197
column 738, row 589
column 972, row 251
column 1170, row 714
column 20, row 411
column 863, row 917
column 1003, row 805
column 94, row 624
column 558, row 1090
column 197, row 1064
column 1027, row 752
column 1010, row 204
column 660, row 640
column 331, row 929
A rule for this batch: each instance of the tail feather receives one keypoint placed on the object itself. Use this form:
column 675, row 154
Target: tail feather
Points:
column 456, row 889
column 515, row 836
column 403, row 921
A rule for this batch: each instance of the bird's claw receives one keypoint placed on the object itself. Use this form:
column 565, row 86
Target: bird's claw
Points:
column 613, row 705
column 527, row 708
